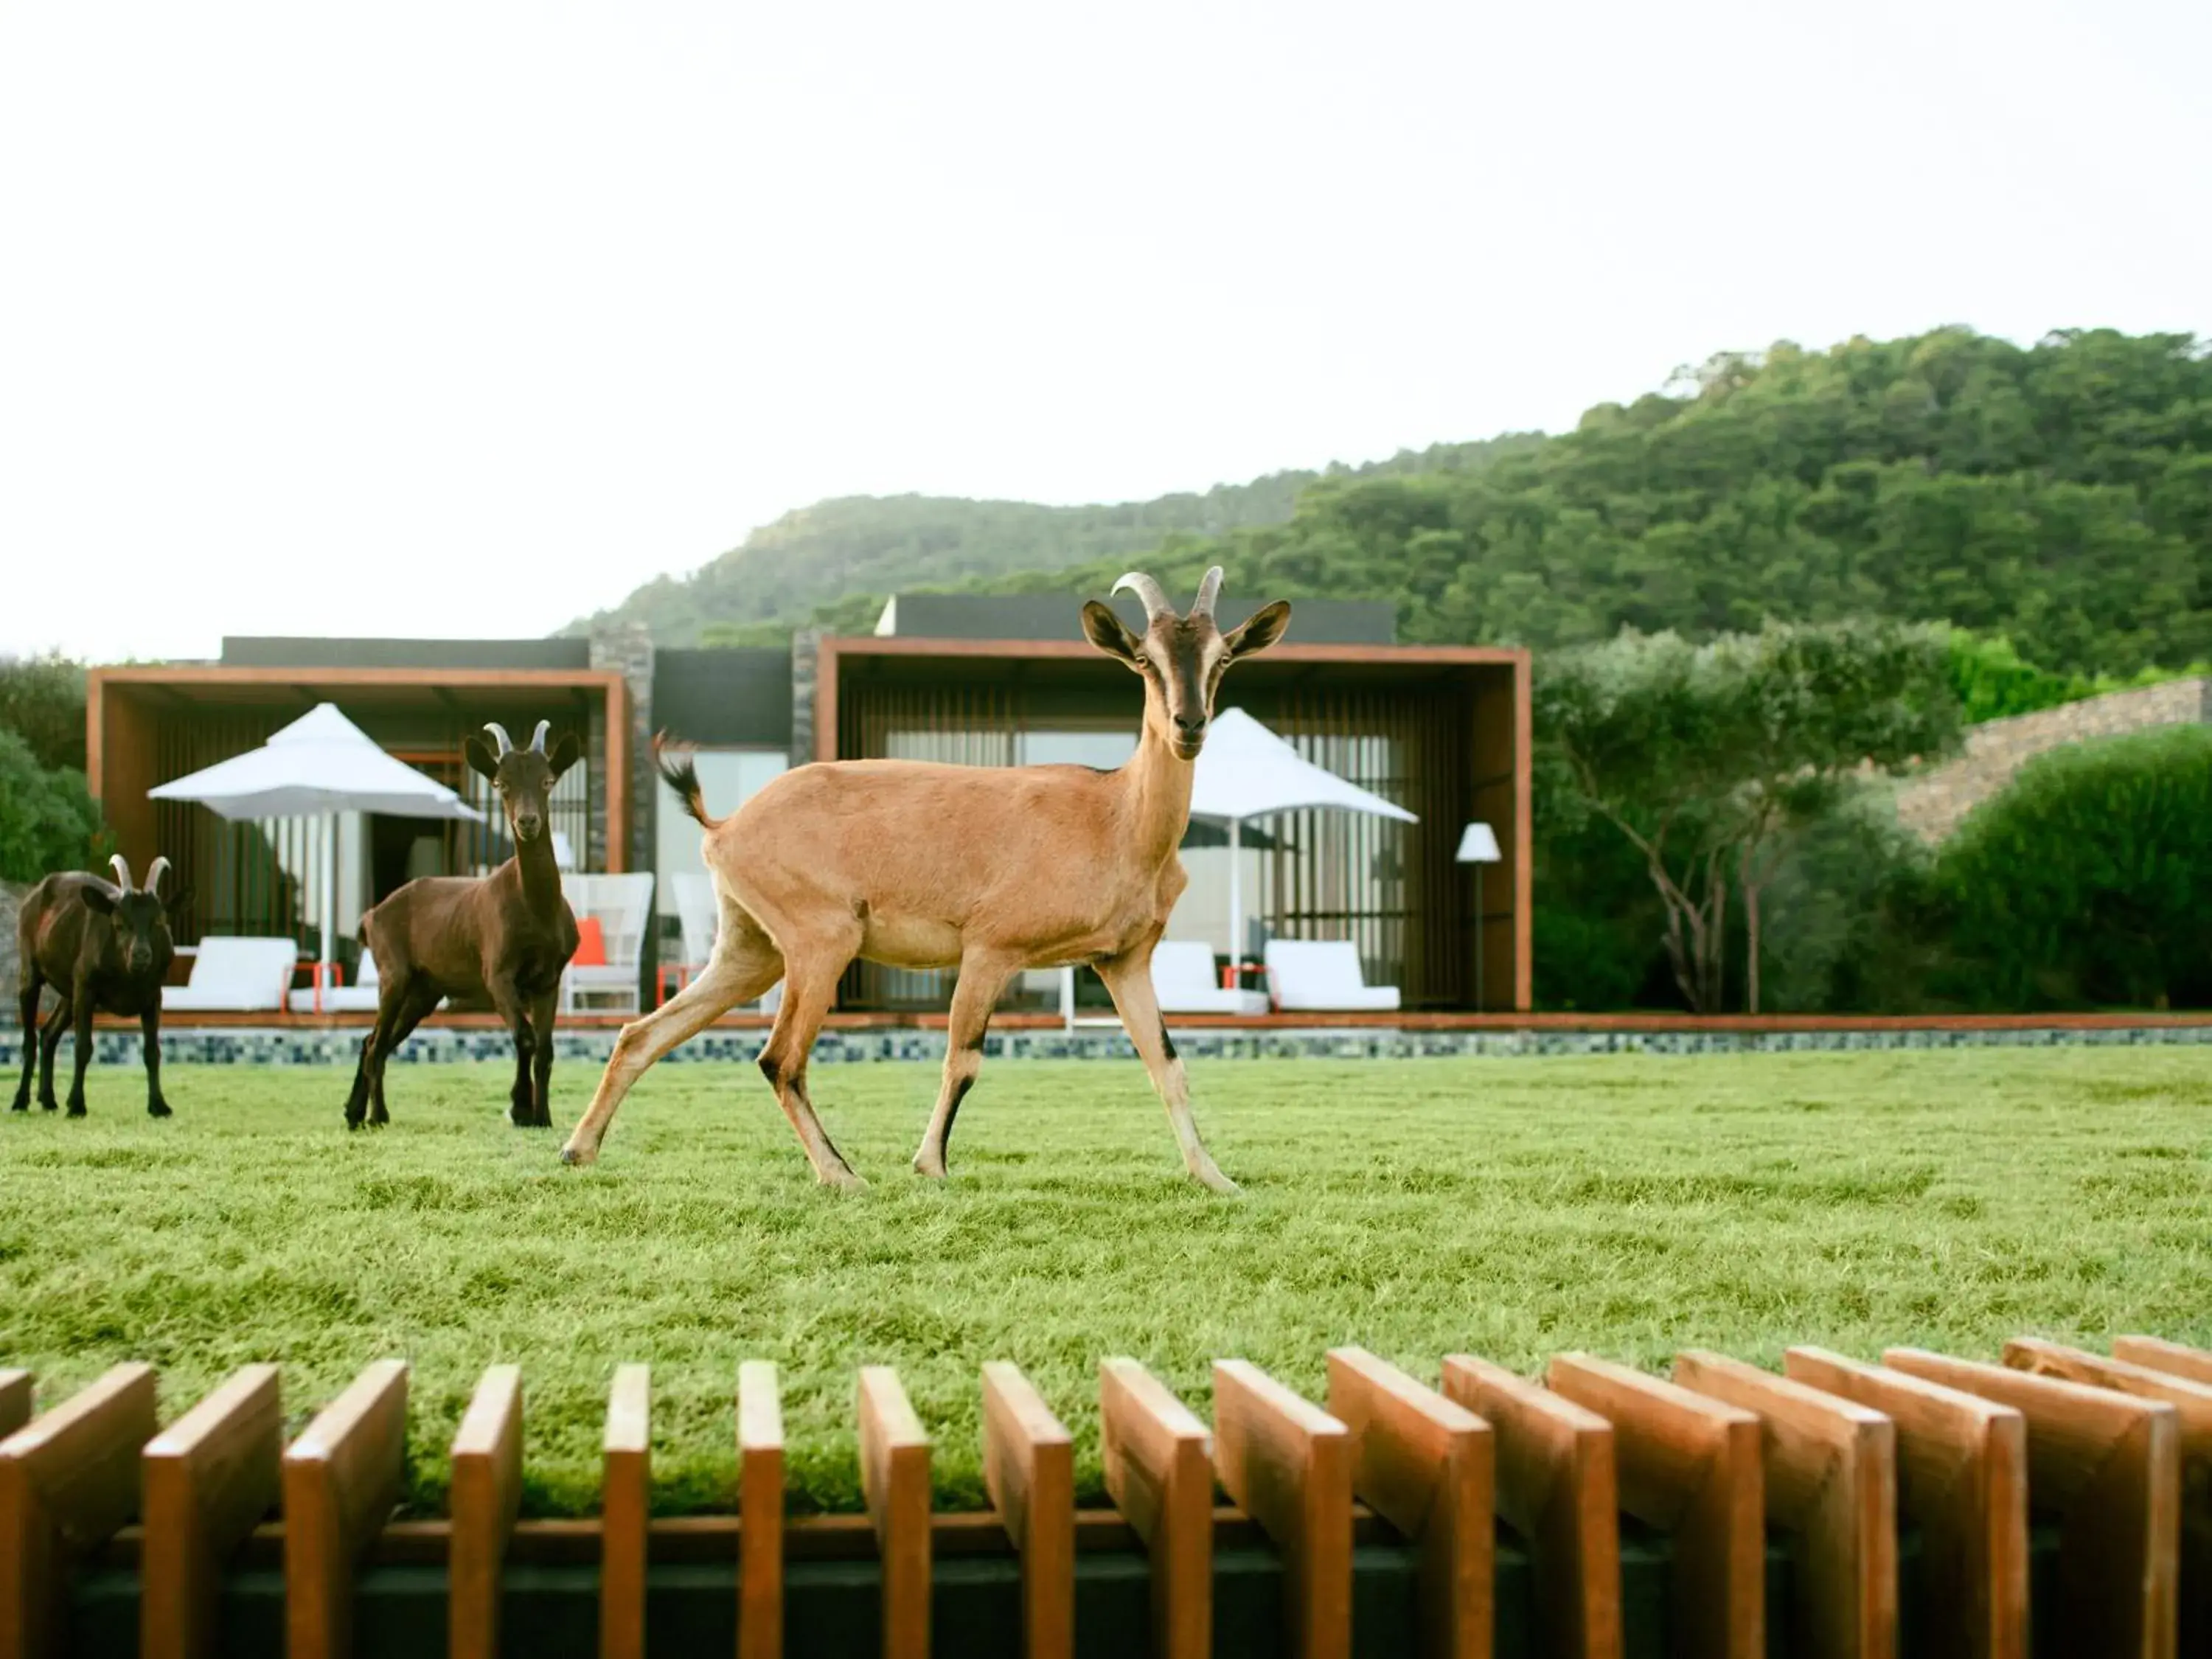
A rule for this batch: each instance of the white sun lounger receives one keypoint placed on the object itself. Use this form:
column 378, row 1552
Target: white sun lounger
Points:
column 1183, row 980
column 1323, row 975
column 236, row 975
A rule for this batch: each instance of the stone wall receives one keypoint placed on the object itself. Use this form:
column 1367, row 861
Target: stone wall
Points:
column 11, row 985
column 1933, row 804
column 806, row 674
column 628, row 649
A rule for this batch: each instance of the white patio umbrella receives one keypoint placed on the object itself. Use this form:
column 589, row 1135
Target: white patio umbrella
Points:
column 320, row 765
column 1246, row 771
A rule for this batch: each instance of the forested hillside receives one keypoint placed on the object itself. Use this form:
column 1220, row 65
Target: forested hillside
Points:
column 2059, row 494
column 860, row 546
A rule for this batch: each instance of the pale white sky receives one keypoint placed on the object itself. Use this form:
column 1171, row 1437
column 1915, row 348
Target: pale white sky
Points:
column 466, row 317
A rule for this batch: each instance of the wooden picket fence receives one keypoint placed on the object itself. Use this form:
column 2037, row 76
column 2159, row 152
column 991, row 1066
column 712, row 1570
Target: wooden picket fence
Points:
column 1603, row 1512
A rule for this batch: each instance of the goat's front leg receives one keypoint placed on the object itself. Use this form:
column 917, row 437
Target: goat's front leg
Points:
column 149, row 1028
column 541, row 1067
column 29, row 1006
column 1129, row 979
column 981, row 978
column 507, row 1001
column 81, row 1018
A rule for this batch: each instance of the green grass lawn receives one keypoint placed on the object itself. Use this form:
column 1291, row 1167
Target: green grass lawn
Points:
column 1513, row 1209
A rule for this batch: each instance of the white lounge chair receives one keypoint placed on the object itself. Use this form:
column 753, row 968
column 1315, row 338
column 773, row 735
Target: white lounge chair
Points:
column 622, row 905
column 700, row 914
column 1183, row 980
column 235, row 975
column 1323, row 975
column 358, row 998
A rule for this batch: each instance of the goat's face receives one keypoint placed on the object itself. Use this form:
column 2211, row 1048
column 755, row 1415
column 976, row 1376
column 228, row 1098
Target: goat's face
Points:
column 140, row 922
column 523, row 777
column 1181, row 658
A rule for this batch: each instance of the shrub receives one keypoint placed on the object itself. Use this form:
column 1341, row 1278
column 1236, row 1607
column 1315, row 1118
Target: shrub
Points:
column 2089, row 880
column 48, row 820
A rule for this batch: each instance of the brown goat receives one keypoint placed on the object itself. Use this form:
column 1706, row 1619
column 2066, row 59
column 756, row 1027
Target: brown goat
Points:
column 990, row 869
column 505, row 937
column 107, row 949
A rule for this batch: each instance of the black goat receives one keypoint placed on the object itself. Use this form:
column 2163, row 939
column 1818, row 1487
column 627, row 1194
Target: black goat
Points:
column 506, row 937
column 107, row 949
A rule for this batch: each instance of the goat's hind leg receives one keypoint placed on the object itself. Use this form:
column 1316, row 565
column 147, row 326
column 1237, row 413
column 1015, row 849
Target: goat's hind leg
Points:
column 541, row 1058
column 982, row 980
column 808, row 986
column 744, row 964
column 28, row 1004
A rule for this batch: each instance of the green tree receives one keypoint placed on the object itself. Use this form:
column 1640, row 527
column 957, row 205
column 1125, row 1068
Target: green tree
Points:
column 42, row 702
column 2089, row 879
column 48, row 820
column 1710, row 759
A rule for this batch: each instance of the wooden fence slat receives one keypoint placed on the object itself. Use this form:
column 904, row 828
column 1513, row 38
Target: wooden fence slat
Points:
column 2154, row 1354
column 1029, row 1468
column 69, row 1479
column 760, row 1512
column 625, row 1509
column 1962, row 1480
column 206, row 1481
column 343, row 1476
column 895, row 1478
column 1158, row 1465
column 1832, row 1480
column 1690, row 1467
column 1287, row 1464
column 15, row 1401
column 1427, row 1466
column 1555, row 1487
column 2192, row 1405
column 487, row 1496
column 2107, row 1467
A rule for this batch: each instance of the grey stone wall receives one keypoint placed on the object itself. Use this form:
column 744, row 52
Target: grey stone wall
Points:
column 1934, row 802
column 11, row 984
column 628, row 649
column 806, row 675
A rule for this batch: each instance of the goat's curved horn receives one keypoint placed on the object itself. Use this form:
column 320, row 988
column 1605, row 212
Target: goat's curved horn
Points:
column 121, row 865
column 1146, row 589
column 499, row 735
column 155, row 871
column 1208, row 592
column 537, row 740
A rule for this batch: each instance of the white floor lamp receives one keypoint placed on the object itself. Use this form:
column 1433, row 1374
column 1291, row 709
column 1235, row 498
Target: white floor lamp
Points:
column 1478, row 846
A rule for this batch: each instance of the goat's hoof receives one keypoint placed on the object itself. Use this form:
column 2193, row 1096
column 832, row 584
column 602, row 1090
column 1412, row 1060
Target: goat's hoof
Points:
column 353, row 1126
column 934, row 1170
column 77, row 1109
column 158, row 1108
column 22, row 1103
column 1214, row 1181
column 844, row 1181
column 576, row 1157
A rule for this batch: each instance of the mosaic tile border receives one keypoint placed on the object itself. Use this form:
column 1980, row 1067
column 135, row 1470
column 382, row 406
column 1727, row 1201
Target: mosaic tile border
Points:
column 239, row 1046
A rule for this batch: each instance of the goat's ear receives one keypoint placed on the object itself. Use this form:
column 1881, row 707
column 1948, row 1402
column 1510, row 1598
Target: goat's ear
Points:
column 479, row 756
column 176, row 901
column 566, row 753
column 1263, row 627
column 97, row 897
column 1109, row 632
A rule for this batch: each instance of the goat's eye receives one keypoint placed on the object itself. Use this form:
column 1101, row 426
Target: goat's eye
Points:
column 1142, row 661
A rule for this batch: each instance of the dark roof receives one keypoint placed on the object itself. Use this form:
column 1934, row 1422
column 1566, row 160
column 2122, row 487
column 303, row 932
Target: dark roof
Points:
column 1057, row 616
column 267, row 651
column 736, row 697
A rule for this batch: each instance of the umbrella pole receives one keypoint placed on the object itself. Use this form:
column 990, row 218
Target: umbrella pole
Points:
column 1236, row 901
column 329, row 902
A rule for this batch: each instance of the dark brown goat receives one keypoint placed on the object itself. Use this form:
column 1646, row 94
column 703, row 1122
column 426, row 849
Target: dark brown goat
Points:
column 504, row 937
column 105, row 948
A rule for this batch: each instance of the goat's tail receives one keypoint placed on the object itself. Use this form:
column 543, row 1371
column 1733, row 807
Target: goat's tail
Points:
column 683, row 777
